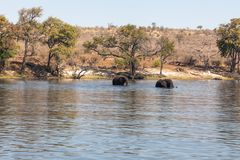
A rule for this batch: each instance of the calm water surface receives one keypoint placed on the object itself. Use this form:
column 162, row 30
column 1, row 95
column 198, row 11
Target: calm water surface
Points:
column 72, row 120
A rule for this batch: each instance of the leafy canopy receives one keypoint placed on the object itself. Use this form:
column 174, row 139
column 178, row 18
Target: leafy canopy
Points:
column 60, row 37
column 59, row 33
column 28, row 30
column 166, row 47
column 126, row 42
column 229, row 42
column 229, row 38
column 8, row 46
column 28, row 25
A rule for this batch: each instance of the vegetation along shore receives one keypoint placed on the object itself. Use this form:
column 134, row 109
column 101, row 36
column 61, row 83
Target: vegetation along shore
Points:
column 54, row 49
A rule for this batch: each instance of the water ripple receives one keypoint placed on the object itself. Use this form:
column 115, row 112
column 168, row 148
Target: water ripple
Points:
column 94, row 120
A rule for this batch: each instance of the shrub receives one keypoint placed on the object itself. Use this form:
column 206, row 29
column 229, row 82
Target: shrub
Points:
column 120, row 63
column 216, row 63
column 82, row 60
column 156, row 64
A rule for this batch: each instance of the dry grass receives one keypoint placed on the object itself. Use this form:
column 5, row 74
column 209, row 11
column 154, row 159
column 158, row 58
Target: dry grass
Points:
column 190, row 46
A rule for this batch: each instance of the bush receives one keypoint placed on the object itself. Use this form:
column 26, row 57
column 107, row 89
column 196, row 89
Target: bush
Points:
column 216, row 63
column 71, row 62
column 82, row 60
column 156, row 64
column 120, row 63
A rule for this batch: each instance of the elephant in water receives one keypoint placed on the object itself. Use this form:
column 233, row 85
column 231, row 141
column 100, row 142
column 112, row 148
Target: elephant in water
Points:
column 164, row 83
column 120, row 81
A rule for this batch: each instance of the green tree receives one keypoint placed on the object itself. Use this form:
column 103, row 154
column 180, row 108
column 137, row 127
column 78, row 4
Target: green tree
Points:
column 126, row 43
column 154, row 25
column 229, row 42
column 164, row 48
column 60, row 38
column 200, row 27
column 8, row 46
column 29, row 31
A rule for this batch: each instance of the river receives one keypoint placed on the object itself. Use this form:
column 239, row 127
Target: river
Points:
column 86, row 119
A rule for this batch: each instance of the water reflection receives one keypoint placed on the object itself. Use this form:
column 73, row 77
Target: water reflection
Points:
column 229, row 96
column 33, row 113
column 4, row 94
column 229, row 114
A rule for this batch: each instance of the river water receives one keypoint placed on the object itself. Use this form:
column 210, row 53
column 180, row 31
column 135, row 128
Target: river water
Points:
column 72, row 120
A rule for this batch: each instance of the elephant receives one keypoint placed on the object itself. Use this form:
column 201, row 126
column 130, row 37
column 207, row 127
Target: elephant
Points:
column 120, row 81
column 164, row 83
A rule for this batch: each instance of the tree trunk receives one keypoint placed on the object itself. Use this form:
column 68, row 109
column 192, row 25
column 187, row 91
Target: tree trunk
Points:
column 161, row 67
column 49, row 60
column 2, row 65
column 235, row 59
column 24, row 56
column 58, row 71
column 132, row 69
column 238, row 69
column 238, row 61
column 233, row 63
column 232, row 67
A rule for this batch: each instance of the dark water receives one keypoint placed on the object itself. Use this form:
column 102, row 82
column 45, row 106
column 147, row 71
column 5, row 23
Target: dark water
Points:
column 41, row 120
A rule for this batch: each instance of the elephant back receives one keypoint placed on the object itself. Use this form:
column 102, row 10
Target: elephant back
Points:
column 120, row 81
column 164, row 83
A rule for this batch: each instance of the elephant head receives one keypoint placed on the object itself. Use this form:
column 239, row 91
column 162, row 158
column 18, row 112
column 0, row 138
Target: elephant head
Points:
column 120, row 81
column 164, row 83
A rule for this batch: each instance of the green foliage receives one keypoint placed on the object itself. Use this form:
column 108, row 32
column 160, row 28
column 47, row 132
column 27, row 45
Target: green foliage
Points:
column 51, row 29
column 120, row 63
column 8, row 46
column 156, row 64
column 59, row 37
column 126, row 43
column 229, row 41
column 200, row 27
column 154, row 25
column 28, row 27
column 164, row 48
column 58, row 52
column 28, row 30
column 6, row 53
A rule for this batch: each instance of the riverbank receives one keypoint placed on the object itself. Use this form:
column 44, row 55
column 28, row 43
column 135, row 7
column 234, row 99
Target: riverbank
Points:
column 185, row 73
column 170, row 71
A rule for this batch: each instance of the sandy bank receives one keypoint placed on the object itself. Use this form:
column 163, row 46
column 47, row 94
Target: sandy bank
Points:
column 173, row 72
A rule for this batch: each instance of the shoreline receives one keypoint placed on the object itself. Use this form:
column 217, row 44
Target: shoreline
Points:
column 152, row 76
